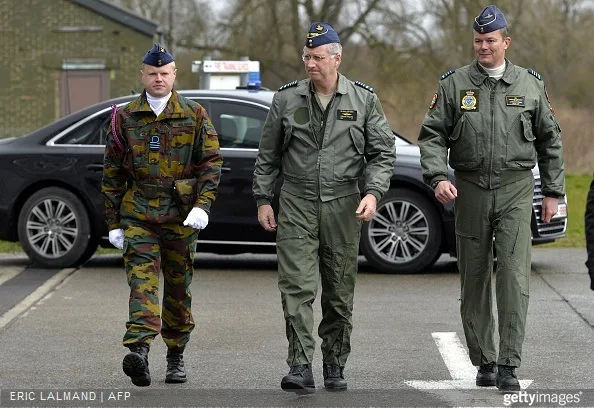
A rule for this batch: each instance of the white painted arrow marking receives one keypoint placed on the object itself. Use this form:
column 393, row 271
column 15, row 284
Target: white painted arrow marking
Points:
column 456, row 359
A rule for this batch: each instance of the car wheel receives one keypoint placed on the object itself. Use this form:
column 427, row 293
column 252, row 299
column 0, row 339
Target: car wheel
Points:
column 405, row 234
column 54, row 229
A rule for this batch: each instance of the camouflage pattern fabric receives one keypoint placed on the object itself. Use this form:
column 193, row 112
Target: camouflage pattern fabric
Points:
column 148, row 249
column 188, row 148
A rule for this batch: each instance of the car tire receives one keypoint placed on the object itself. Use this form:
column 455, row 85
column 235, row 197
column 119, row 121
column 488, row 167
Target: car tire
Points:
column 55, row 230
column 405, row 234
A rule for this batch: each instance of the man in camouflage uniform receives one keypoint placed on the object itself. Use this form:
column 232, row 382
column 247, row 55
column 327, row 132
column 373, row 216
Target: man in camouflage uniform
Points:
column 496, row 121
column 160, row 137
column 589, row 224
column 322, row 134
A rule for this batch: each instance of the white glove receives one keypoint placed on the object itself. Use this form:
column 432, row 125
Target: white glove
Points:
column 197, row 218
column 116, row 237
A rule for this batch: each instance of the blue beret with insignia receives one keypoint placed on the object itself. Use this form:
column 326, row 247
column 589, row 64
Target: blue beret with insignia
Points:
column 157, row 56
column 490, row 19
column 321, row 33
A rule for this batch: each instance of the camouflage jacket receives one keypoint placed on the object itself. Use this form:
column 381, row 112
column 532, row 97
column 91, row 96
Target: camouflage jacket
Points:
column 181, row 143
column 495, row 133
column 323, row 154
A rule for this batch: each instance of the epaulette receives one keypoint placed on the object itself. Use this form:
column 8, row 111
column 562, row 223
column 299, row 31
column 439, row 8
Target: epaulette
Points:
column 362, row 85
column 536, row 74
column 290, row 84
column 447, row 74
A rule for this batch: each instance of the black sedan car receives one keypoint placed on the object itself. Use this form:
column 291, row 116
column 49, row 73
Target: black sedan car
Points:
column 50, row 197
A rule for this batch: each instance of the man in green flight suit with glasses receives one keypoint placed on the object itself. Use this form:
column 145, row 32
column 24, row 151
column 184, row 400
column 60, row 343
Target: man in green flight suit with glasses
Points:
column 323, row 134
column 496, row 121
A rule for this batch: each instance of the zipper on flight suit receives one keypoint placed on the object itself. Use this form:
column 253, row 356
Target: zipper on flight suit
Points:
column 492, row 97
column 321, row 142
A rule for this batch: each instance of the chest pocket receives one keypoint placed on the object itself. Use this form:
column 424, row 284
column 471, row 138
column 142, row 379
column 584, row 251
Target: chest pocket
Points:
column 520, row 150
column 349, row 161
column 136, row 137
column 463, row 144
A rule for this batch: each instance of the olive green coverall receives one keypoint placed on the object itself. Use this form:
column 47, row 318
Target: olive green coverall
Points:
column 321, row 155
column 495, row 132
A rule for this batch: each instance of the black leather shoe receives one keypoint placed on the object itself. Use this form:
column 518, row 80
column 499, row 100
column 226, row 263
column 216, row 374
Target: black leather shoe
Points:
column 487, row 375
column 334, row 377
column 507, row 380
column 176, row 372
column 299, row 380
column 136, row 366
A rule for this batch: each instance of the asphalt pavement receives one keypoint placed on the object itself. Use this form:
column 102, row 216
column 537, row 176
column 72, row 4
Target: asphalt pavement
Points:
column 61, row 344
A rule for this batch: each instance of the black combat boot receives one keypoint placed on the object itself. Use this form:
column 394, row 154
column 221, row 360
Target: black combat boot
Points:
column 507, row 380
column 487, row 375
column 176, row 373
column 299, row 380
column 334, row 377
column 136, row 364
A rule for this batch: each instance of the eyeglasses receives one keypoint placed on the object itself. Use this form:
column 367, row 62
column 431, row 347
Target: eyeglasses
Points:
column 316, row 58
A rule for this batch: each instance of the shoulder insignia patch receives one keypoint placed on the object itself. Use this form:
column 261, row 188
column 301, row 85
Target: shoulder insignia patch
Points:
column 536, row 74
column 447, row 74
column 362, row 85
column 290, row 84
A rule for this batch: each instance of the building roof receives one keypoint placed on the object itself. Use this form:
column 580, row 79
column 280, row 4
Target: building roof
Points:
column 121, row 15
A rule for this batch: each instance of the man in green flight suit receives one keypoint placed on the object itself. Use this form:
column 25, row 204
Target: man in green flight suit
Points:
column 323, row 134
column 161, row 173
column 496, row 121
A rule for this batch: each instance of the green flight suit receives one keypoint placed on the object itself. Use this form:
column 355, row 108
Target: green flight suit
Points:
column 495, row 132
column 321, row 155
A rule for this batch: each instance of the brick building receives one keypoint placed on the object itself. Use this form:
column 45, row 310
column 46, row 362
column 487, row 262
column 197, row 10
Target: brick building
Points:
column 59, row 56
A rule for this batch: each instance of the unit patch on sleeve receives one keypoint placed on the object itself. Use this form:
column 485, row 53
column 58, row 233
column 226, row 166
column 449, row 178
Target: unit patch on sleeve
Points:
column 469, row 100
column 346, row 114
column 433, row 101
column 515, row 100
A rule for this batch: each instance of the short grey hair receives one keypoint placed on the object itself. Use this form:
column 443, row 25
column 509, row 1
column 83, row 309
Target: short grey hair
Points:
column 335, row 48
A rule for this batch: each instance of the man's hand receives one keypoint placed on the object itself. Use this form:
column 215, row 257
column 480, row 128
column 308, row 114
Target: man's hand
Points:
column 266, row 217
column 549, row 208
column 445, row 192
column 197, row 218
column 366, row 209
column 116, row 237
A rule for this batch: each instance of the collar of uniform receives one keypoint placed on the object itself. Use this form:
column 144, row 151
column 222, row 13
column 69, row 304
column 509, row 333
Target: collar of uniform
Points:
column 479, row 75
column 306, row 86
column 176, row 106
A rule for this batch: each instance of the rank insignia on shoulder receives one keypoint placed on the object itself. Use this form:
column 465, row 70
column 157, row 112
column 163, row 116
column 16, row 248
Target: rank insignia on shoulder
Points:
column 290, row 84
column 362, row 85
column 447, row 74
column 536, row 74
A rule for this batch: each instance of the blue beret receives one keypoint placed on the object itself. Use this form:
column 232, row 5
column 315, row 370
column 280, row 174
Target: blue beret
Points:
column 321, row 33
column 157, row 56
column 490, row 19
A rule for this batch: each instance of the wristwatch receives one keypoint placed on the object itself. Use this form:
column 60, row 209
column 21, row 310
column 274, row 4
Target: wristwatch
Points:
column 435, row 183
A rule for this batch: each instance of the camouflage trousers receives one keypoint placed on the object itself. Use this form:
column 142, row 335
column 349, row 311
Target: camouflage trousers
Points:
column 148, row 249
column 318, row 241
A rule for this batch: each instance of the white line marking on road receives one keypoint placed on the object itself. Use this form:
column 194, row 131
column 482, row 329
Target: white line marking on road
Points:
column 35, row 296
column 454, row 356
column 456, row 359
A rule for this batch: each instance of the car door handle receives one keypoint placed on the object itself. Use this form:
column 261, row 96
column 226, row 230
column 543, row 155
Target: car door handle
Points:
column 225, row 169
column 95, row 167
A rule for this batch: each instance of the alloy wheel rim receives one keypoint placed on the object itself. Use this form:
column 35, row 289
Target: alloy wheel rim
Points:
column 399, row 232
column 52, row 228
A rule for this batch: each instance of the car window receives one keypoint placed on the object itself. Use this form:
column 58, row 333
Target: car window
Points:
column 90, row 132
column 238, row 125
